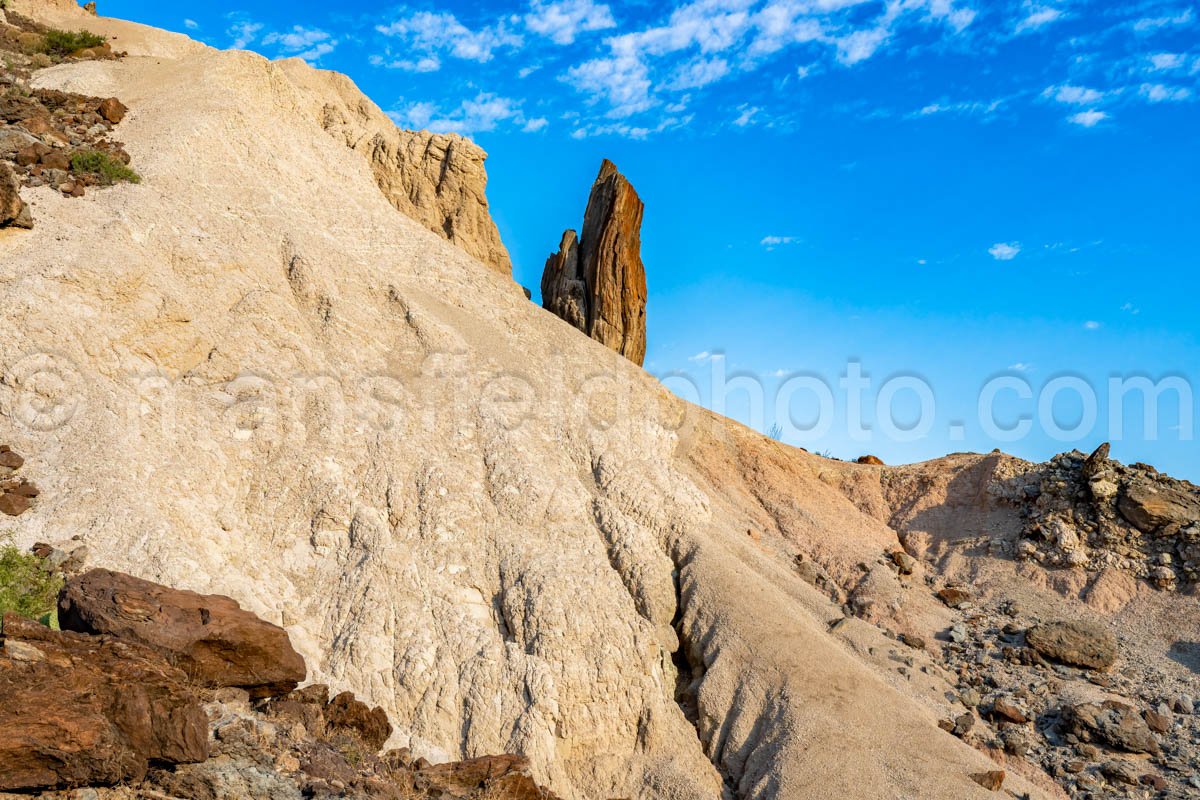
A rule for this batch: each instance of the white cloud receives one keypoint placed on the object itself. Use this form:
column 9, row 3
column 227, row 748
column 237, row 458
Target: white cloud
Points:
column 704, row 356
column 861, row 45
column 191, row 24
column 561, row 22
column 1130, row 308
column 1151, row 24
column 1092, row 325
column 480, row 114
column 428, row 63
column 309, row 44
column 535, row 125
column 1158, row 93
column 1037, row 17
column 1166, row 62
column 698, row 73
column 629, row 131
column 1020, row 366
column 242, row 32
column 702, row 42
column 771, row 242
column 1088, row 119
column 1005, row 251
column 623, row 80
column 1073, row 95
column 747, row 115
column 442, row 33
column 969, row 107
column 525, row 72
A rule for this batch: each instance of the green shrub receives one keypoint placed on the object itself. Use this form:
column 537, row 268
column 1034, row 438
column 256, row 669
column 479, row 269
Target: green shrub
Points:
column 109, row 169
column 62, row 43
column 26, row 587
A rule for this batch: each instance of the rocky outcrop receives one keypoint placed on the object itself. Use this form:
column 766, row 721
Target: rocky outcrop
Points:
column 1098, row 514
column 91, row 711
column 80, row 710
column 597, row 283
column 209, row 637
column 437, row 179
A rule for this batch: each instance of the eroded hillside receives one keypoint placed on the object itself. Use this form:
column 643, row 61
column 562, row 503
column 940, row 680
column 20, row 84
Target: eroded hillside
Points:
column 462, row 509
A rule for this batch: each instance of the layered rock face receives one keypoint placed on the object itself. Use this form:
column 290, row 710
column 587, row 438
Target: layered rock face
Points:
column 438, row 179
column 597, row 283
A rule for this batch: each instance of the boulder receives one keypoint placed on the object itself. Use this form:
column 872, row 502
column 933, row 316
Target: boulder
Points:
column 210, row 637
column 1151, row 508
column 1110, row 723
column 89, row 710
column 1079, row 644
column 598, row 283
column 874, row 461
column 112, row 110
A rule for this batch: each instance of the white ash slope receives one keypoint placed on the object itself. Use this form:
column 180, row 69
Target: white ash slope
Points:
column 251, row 374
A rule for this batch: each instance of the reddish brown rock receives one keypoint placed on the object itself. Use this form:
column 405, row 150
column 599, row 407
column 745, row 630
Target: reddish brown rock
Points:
column 1159, row 723
column 598, row 284
column 89, row 710
column 112, row 110
column 992, row 781
column 14, row 505
column 13, row 211
column 56, row 159
column 210, row 637
column 500, row 777
column 1004, row 709
column 873, row 461
column 954, row 596
column 347, row 713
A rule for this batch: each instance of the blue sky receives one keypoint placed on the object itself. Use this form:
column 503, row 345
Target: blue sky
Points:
column 950, row 190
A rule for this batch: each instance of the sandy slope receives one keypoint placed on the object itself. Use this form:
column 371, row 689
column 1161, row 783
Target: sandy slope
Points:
column 251, row 374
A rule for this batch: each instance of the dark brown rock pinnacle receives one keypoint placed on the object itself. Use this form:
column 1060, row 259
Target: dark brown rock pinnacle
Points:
column 598, row 283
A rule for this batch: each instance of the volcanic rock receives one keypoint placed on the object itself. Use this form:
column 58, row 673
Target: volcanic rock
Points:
column 598, row 283
column 210, row 637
